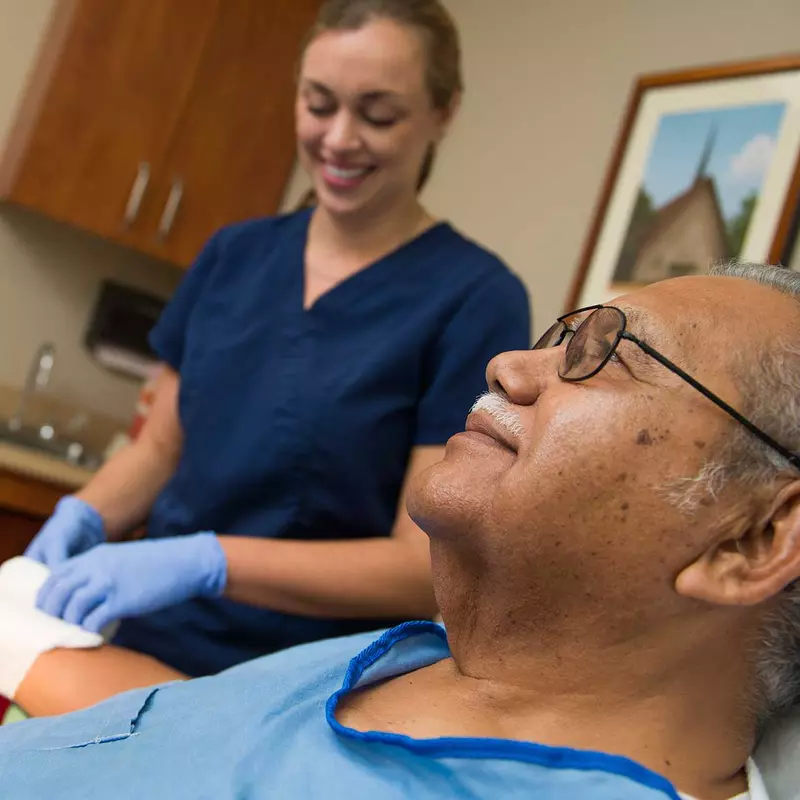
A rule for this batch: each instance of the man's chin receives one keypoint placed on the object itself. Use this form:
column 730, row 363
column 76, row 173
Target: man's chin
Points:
column 448, row 496
column 417, row 502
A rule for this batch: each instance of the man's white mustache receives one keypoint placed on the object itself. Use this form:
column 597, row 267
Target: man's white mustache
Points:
column 501, row 411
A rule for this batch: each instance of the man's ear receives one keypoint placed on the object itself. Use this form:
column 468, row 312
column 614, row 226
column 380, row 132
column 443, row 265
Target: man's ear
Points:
column 751, row 565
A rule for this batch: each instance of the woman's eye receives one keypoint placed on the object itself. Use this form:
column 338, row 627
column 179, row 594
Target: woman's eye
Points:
column 321, row 111
column 379, row 122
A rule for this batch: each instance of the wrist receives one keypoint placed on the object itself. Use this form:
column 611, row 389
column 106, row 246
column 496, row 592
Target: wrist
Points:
column 73, row 507
column 211, row 561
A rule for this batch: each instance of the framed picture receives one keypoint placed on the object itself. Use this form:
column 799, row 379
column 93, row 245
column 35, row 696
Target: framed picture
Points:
column 706, row 168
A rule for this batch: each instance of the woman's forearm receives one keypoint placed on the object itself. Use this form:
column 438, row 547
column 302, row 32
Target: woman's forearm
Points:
column 125, row 488
column 67, row 680
column 385, row 577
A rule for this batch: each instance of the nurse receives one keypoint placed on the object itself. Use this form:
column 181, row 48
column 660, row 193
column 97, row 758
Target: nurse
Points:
column 314, row 362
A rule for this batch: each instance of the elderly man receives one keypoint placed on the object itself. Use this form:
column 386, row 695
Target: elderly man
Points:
column 615, row 540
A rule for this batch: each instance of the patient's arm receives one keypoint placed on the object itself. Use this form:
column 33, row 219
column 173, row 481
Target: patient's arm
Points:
column 66, row 680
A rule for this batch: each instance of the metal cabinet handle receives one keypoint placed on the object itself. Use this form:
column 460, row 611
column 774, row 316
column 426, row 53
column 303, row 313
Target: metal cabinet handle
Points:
column 170, row 210
column 137, row 193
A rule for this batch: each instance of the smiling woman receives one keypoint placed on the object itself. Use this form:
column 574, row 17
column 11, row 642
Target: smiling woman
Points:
column 417, row 100
column 314, row 363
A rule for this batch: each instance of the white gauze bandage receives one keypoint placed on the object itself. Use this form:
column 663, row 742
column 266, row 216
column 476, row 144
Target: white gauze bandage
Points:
column 26, row 632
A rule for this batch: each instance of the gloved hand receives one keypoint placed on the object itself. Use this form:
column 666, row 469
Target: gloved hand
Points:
column 113, row 581
column 74, row 528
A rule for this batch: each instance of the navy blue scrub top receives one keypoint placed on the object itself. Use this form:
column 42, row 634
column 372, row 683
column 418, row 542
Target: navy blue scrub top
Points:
column 299, row 424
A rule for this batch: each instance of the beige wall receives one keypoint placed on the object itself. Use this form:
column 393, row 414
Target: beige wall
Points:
column 49, row 273
column 547, row 82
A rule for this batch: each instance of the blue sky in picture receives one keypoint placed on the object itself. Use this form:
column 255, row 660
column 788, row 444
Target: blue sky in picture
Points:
column 743, row 143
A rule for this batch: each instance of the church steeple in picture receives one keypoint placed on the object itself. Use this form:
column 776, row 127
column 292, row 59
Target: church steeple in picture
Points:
column 705, row 156
column 682, row 235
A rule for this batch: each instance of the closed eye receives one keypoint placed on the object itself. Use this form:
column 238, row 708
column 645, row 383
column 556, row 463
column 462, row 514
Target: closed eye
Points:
column 321, row 111
column 380, row 123
column 573, row 326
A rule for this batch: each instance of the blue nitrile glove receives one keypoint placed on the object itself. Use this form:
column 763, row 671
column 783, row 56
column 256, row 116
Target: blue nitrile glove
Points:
column 113, row 581
column 74, row 528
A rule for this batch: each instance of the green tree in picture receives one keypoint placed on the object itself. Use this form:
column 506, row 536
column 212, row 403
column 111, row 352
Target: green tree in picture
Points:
column 737, row 225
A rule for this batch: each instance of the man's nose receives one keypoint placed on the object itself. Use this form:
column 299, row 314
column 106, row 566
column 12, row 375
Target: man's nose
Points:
column 522, row 375
column 342, row 135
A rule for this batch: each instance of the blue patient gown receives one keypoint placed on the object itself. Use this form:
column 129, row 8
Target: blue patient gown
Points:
column 266, row 729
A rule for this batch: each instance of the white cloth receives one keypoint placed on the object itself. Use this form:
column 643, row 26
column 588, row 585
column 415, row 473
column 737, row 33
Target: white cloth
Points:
column 26, row 632
column 778, row 757
column 20, row 581
column 755, row 785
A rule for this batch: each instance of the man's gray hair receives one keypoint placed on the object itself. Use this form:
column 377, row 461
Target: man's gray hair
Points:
column 770, row 388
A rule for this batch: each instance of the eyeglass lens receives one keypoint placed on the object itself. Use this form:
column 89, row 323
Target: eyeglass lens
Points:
column 592, row 343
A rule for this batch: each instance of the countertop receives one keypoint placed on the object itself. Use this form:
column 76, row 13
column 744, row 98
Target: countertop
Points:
column 47, row 408
column 42, row 467
column 31, row 482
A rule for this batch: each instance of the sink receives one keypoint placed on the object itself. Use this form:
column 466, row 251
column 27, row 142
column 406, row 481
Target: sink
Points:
column 43, row 440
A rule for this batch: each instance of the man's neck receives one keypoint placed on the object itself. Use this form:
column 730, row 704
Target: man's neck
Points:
column 650, row 703
column 671, row 698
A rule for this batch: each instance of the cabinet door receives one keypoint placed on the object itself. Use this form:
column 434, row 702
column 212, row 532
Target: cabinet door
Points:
column 103, row 105
column 16, row 533
column 233, row 154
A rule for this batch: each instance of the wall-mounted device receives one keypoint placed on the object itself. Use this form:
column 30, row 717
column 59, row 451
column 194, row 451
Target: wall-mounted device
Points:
column 121, row 321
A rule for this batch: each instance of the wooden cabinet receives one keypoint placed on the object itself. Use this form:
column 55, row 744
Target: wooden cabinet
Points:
column 25, row 503
column 16, row 533
column 154, row 123
column 233, row 153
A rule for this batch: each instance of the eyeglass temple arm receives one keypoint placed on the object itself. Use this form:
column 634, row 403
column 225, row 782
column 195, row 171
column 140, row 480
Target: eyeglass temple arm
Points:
column 791, row 457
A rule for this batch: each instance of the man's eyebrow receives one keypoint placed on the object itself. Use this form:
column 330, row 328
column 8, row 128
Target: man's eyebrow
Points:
column 642, row 325
column 639, row 322
column 637, row 318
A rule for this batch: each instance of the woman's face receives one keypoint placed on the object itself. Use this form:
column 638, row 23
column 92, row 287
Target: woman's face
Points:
column 364, row 117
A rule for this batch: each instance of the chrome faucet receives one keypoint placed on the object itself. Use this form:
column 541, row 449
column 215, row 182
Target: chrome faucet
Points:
column 38, row 377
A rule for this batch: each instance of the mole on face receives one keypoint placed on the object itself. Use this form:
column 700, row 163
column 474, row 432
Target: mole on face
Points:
column 644, row 437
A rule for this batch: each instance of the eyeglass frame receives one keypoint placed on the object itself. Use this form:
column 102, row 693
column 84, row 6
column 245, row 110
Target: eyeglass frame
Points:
column 623, row 333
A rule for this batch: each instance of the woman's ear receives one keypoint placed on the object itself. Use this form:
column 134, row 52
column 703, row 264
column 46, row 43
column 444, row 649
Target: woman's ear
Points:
column 446, row 116
column 751, row 565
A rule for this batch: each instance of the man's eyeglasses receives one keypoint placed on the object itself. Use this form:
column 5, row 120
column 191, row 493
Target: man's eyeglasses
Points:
column 594, row 341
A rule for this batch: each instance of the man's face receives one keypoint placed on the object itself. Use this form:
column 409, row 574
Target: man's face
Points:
column 576, row 501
